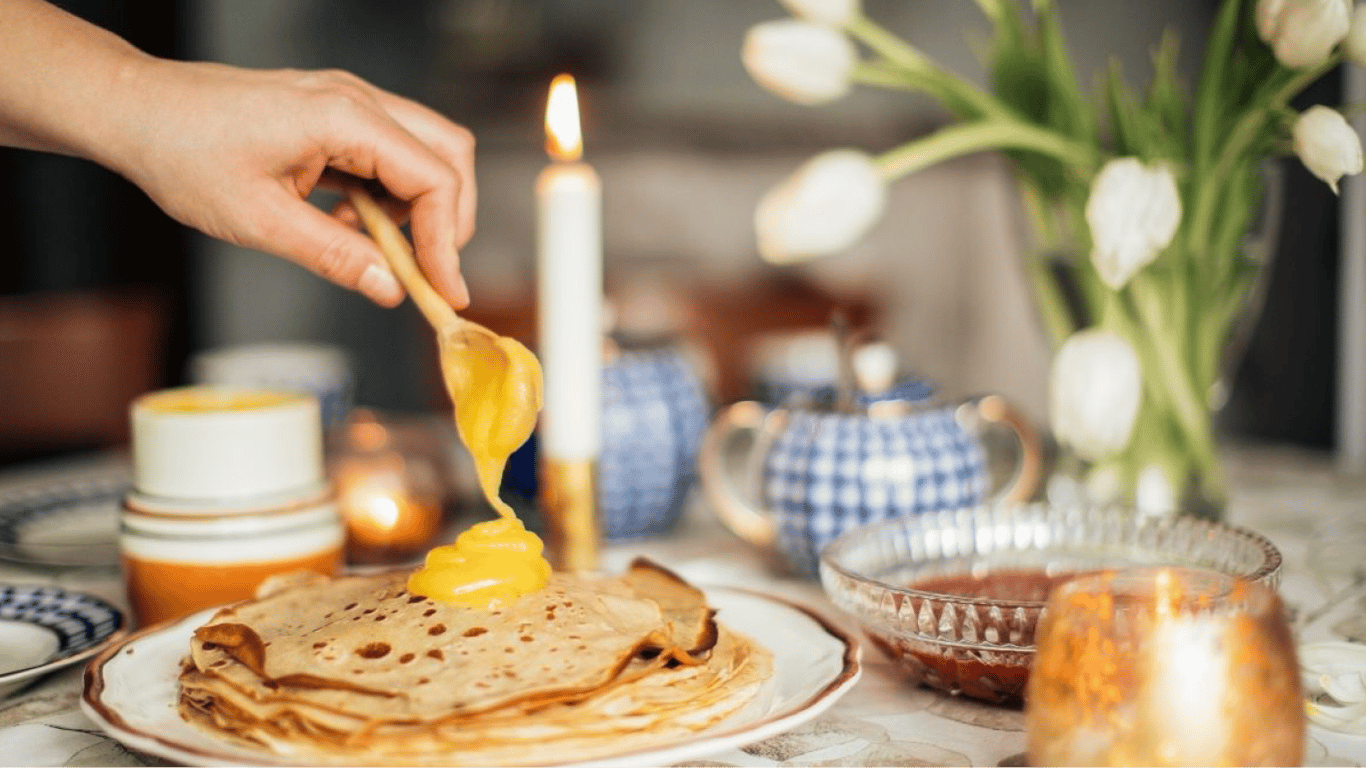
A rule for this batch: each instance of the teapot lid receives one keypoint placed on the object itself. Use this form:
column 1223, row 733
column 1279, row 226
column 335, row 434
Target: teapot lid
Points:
column 905, row 391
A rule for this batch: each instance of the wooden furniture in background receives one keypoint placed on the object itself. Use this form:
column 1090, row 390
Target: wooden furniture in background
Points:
column 70, row 364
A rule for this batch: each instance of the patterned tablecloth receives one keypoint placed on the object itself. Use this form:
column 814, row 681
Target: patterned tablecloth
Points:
column 1316, row 517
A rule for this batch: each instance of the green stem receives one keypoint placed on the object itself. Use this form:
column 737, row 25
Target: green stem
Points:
column 1208, row 96
column 992, row 9
column 1188, row 404
column 1052, row 309
column 1242, row 137
column 883, row 76
column 958, row 95
column 966, row 138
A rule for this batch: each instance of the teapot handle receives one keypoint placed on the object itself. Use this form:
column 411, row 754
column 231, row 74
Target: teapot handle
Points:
column 738, row 511
column 1029, row 471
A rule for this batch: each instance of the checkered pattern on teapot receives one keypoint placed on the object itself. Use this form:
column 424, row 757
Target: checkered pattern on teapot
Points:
column 654, row 414
column 829, row 472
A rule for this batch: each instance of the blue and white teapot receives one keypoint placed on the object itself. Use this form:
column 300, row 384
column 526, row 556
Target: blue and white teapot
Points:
column 814, row 471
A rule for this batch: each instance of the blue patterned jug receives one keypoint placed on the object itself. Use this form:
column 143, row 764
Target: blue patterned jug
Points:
column 813, row 472
column 654, row 413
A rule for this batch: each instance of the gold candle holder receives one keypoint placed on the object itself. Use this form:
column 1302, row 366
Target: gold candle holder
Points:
column 569, row 500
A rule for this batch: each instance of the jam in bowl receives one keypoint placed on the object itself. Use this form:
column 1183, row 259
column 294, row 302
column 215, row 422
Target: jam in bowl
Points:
column 955, row 596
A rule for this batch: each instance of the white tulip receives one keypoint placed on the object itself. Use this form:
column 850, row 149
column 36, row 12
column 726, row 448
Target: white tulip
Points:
column 1354, row 45
column 1155, row 496
column 1133, row 212
column 803, row 62
column 1102, row 484
column 833, row 13
column 1302, row 33
column 1095, row 388
column 828, row 204
column 1326, row 144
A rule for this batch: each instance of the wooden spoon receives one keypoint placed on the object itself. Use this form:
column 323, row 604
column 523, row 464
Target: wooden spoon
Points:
column 494, row 381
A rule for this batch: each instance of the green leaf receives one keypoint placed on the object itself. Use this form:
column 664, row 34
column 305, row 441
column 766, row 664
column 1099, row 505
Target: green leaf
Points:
column 1210, row 107
column 1020, row 77
column 1166, row 102
column 1067, row 110
column 1120, row 109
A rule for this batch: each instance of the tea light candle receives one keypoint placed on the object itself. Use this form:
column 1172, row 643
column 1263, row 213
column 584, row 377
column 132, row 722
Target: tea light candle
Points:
column 387, row 518
column 569, row 284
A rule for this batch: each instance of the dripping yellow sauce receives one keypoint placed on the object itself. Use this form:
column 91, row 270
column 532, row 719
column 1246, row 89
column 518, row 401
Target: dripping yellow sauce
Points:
column 495, row 384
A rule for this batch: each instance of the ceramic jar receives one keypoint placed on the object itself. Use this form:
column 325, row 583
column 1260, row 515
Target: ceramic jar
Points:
column 228, row 490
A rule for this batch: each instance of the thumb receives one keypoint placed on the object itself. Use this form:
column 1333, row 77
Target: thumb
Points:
column 298, row 231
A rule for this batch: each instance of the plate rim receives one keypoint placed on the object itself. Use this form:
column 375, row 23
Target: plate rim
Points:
column 851, row 669
column 18, row 501
column 61, row 660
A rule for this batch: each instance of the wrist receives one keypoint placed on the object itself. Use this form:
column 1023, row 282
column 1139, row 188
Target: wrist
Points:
column 113, row 135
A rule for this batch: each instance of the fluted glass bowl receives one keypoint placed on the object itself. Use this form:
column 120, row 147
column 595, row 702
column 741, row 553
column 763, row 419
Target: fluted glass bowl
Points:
column 982, row 646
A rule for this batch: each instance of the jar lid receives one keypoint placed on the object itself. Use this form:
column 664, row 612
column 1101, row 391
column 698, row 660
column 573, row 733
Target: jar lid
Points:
column 205, row 443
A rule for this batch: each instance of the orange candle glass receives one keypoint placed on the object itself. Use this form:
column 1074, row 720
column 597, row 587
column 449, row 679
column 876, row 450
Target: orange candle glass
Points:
column 1169, row 666
column 390, row 498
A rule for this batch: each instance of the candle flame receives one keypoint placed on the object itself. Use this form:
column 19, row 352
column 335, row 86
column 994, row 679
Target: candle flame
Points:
column 563, row 136
column 384, row 511
column 1167, row 594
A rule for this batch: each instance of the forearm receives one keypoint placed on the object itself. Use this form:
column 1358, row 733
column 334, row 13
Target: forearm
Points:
column 63, row 82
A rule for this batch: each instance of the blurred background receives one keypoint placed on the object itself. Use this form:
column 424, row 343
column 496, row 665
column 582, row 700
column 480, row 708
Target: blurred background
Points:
column 103, row 297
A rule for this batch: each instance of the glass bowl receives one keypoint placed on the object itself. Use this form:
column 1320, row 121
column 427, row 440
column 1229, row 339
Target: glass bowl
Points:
column 955, row 596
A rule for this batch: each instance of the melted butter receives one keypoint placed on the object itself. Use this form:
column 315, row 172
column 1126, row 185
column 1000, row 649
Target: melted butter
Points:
column 495, row 384
column 491, row 563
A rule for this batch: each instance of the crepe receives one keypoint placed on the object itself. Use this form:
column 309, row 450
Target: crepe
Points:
column 358, row 671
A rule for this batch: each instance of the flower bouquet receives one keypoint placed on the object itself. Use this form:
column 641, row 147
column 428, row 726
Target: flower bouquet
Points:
column 1146, row 195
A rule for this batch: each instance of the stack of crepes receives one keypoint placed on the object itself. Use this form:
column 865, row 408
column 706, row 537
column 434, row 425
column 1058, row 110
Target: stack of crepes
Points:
column 358, row 671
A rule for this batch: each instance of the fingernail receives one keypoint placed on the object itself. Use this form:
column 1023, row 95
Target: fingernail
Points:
column 380, row 285
column 464, row 287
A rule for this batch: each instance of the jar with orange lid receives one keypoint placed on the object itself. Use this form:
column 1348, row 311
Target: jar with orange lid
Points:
column 228, row 489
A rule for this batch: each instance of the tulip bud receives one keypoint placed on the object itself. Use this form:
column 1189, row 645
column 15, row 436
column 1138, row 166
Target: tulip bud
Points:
column 1133, row 212
column 832, row 13
column 1326, row 144
column 1354, row 45
column 1095, row 388
column 1302, row 33
column 828, row 204
column 802, row 62
column 1155, row 496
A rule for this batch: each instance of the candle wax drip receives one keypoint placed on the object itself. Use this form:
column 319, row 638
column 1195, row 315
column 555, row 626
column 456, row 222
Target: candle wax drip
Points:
column 495, row 384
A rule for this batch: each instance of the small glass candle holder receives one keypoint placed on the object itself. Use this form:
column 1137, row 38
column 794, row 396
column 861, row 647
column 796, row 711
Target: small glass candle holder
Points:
column 1164, row 666
column 390, row 496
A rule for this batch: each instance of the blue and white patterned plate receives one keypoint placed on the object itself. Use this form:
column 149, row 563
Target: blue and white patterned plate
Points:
column 45, row 628
column 73, row 522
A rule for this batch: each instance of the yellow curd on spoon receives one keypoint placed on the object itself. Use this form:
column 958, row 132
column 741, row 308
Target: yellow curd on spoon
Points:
column 495, row 384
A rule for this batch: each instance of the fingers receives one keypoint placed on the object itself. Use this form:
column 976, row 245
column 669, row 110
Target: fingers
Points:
column 294, row 229
column 410, row 170
column 452, row 142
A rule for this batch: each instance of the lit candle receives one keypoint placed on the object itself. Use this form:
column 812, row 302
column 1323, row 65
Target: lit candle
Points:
column 569, row 285
column 388, row 517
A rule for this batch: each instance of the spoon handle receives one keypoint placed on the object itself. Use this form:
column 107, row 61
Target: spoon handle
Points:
column 399, row 254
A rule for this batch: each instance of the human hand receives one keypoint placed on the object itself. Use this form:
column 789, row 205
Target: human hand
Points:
column 235, row 153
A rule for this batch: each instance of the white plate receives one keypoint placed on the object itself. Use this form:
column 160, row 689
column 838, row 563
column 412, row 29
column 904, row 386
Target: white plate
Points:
column 71, row 522
column 131, row 690
column 43, row 629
